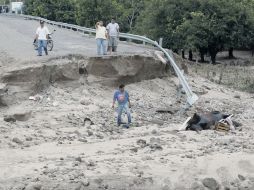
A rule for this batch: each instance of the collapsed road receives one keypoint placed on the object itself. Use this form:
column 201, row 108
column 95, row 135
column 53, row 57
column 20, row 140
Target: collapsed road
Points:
column 17, row 37
column 58, row 130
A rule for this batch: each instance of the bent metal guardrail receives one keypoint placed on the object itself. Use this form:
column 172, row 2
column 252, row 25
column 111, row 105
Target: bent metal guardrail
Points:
column 191, row 97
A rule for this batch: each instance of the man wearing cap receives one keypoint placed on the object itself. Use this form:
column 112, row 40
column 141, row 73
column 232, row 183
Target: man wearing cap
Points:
column 122, row 97
column 42, row 34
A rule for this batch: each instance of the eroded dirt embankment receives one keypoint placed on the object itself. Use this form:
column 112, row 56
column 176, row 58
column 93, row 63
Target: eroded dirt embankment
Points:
column 18, row 84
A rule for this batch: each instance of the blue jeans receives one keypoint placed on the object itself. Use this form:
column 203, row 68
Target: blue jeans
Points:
column 42, row 44
column 120, row 110
column 101, row 46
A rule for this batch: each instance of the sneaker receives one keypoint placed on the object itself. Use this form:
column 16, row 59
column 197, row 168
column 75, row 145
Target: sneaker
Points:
column 126, row 126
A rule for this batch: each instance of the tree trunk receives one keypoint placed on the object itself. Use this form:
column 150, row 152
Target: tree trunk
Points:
column 202, row 56
column 183, row 54
column 230, row 53
column 213, row 57
column 190, row 55
column 213, row 52
column 131, row 20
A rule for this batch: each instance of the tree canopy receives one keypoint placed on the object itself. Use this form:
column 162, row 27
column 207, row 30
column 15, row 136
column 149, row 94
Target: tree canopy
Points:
column 204, row 26
column 87, row 12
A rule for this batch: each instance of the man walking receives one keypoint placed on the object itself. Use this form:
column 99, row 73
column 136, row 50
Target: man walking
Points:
column 42, row 34
column 122, row 97
column 113, row 32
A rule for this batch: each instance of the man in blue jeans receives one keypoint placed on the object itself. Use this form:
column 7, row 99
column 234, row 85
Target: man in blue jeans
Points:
column 42, row 33
column 122, row 97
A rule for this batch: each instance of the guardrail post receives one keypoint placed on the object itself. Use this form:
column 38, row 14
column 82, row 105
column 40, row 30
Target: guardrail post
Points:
column 144, row 42
column 128, row 40
column 171, row 54
column 160, row 42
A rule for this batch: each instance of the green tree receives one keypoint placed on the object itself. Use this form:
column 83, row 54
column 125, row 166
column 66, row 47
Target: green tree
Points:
column 227, row 25
column 89, row 12
column 194, row 33
column 65, row 11
column 207, row 26
column 161, row 17
column 4, row 2
column 249, row 31
column 125, row 12
column 58, row 10
column 130, row 11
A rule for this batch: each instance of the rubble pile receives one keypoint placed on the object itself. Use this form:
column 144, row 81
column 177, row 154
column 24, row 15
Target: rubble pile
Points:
column 66, row 137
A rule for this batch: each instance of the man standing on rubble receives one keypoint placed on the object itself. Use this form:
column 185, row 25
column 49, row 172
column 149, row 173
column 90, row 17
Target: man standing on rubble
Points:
column 122, row 97
column 42, row 34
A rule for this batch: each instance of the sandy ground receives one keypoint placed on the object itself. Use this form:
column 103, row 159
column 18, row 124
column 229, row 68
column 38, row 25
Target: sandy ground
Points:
column 68, row 138
column 56, row 149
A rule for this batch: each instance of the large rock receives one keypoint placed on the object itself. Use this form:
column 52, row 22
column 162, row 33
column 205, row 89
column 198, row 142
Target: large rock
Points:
column 18, row 115
column 155, row 144
column 9, row 118
column 3, row 90
column 197, row 186
column 211, row 183
column 17, row 140
column 34, row 186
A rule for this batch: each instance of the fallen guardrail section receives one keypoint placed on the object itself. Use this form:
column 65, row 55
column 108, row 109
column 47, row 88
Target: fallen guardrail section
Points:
column 191, row 97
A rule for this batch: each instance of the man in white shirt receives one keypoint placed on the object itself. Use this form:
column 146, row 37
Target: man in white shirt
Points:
column 113, row 33
column 42, row 34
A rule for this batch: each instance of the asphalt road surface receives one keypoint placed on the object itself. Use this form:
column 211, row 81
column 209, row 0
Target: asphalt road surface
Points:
column 17, row 34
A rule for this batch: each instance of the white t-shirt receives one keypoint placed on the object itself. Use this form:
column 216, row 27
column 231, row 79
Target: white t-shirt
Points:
column 42, row 33
column 113, row 29
column 101, row 32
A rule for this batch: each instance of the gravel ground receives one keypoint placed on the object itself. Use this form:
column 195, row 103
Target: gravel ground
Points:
column 67, row 137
